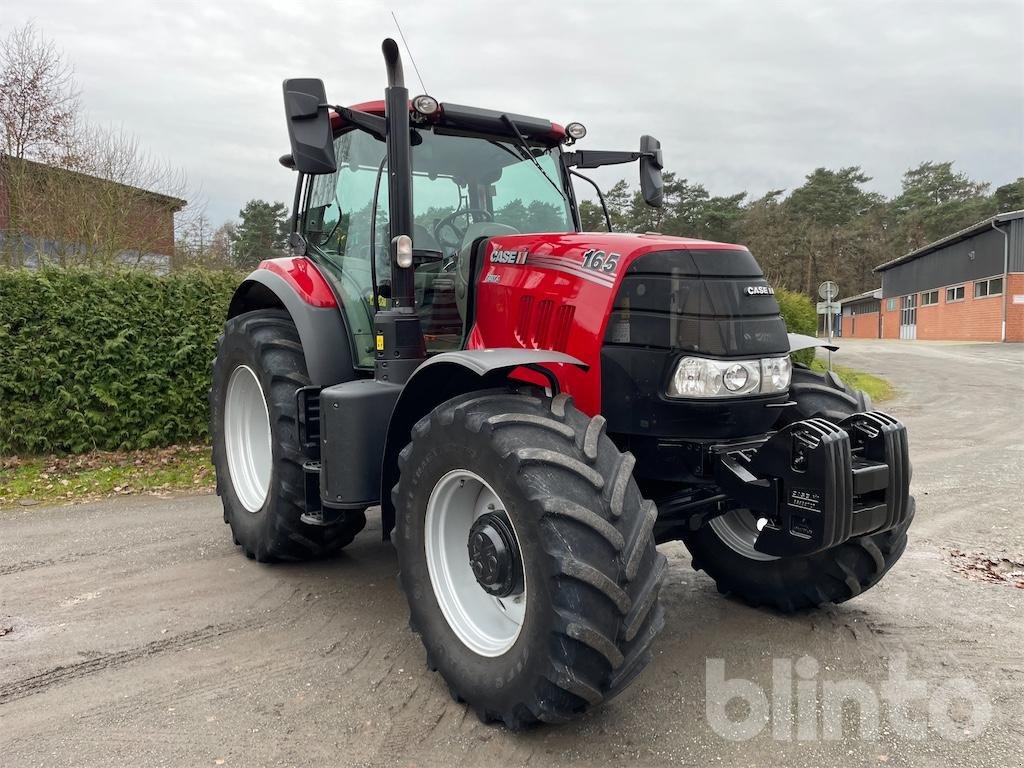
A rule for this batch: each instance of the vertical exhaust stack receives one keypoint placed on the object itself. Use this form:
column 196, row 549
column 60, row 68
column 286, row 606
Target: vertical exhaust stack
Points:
column 398, row 337
column 396, row 111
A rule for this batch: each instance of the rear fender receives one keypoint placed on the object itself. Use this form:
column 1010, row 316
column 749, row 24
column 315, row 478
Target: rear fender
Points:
column 296, row 286
column 449, row 375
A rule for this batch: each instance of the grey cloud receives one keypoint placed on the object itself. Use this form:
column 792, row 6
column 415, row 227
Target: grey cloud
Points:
column 744, row 95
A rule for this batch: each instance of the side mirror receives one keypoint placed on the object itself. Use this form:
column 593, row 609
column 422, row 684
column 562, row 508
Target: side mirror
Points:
column 651, row 184
column 309, row 126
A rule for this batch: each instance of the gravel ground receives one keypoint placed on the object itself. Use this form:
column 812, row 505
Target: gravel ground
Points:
column 133, row 632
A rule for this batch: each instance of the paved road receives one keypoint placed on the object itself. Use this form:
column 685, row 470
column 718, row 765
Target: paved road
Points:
column 139, row 635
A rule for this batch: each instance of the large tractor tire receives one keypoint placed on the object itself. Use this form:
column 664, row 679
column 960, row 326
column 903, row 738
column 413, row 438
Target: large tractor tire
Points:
column 526, row 555
column 256, row 452
column 724, row 547
column 823, row 395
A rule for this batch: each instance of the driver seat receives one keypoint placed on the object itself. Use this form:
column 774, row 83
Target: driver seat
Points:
column 464, row 258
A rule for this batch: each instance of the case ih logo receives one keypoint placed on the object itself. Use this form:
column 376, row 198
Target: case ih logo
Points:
column 760, row 290
column 509, row 256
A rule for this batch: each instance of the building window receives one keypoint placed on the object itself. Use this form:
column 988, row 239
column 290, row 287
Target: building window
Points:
column 956, row 293
column 908, row 310
column 891, row 304
column 990, row 287
column 929, row 297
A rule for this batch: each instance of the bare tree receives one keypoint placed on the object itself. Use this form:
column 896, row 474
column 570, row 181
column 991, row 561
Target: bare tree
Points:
column 125, row 214
column 111, row 207
column 76, row 192
column 198, row 245
column 38, row 97
column 220, row 246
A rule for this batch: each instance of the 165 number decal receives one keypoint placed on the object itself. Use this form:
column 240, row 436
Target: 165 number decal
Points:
column 600, row 261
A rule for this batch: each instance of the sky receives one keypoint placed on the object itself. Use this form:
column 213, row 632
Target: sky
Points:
column 743, row 94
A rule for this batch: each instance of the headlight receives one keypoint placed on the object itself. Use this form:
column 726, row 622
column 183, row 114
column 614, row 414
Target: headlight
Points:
column 776, row 373
column 703, row 377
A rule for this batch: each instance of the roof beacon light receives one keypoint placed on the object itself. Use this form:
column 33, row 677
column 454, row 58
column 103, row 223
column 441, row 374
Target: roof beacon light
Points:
column 425, row 105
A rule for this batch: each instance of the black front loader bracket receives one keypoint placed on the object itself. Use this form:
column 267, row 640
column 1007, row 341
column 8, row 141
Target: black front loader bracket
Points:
column 815, row 484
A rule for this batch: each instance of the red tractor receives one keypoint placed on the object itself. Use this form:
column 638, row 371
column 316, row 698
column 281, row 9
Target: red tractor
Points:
column 532, row 407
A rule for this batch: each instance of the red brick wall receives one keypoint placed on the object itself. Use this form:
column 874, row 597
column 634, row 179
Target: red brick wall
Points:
column 890, row 320
column 863, row 326
column 968, row 320
column 1015, row 312
column 4, row 203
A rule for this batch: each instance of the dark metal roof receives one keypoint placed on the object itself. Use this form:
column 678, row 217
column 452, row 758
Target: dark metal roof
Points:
column 174, row 203
column 963, row 234
column 873, row 294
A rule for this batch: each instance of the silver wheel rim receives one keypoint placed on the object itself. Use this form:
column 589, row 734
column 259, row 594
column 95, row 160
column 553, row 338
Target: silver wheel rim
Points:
column 738, row 530
column 247, row 438
column 486, row 624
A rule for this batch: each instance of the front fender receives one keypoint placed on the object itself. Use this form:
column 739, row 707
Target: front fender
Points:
column 443, row 377
column 798, row 341
column 325, row 340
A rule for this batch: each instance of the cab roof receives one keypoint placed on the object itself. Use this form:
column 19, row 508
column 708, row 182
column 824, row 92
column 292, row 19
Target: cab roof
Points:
column 468, row 118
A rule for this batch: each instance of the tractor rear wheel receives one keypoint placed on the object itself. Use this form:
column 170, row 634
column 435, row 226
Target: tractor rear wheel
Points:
column 256, row 452
column 724, row 547
column 526, row 555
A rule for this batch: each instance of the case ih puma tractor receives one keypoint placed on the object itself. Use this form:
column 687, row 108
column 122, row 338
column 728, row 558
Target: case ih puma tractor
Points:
column 532, row 407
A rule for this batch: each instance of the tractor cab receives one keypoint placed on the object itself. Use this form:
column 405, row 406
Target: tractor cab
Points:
column 433, row 178
column 466, row 185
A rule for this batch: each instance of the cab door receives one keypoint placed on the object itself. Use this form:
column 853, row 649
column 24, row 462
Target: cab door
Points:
column 338, row 226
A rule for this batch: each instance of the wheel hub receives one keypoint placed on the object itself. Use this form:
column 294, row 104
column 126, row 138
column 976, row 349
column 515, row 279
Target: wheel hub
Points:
column 473, row 556
column 494, row 556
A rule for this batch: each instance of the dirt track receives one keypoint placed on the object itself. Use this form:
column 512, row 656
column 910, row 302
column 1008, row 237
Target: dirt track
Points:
column 138, row 633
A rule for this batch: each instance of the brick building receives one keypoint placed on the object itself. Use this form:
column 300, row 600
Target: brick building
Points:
column 860, row 316
column 50, row 214
column 968, row 286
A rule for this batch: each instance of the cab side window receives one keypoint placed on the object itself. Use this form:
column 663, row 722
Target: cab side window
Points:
column 338, row 225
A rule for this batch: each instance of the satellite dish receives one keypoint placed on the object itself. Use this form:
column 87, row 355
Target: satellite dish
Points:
column 828, row 290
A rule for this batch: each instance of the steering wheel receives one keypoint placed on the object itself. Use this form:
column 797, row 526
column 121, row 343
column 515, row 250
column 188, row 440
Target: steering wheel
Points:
column 450, row 233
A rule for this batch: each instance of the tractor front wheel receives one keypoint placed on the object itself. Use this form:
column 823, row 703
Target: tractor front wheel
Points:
column 526, row 555
column 724, row 547
column 256, row 453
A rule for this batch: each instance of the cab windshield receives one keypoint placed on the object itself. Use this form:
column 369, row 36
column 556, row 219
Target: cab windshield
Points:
column 464, row 186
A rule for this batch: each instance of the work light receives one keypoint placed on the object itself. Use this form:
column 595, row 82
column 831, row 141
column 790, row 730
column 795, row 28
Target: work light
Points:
column 425, row 105
column 403, row 250
column 575, row 131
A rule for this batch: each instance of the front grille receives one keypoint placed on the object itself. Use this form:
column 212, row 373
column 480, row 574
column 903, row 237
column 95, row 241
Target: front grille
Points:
column 675, row 305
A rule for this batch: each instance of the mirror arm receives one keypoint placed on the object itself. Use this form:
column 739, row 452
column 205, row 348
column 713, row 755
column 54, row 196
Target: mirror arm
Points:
column 293, row 224
column 589, row 158
column 604, row 206
column 375, row 125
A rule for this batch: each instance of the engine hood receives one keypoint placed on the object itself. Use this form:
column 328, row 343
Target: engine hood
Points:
column 625, row 247
column 560, row 291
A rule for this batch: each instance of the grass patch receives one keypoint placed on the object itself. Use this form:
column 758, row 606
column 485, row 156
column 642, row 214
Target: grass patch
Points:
column 100, row 474
column 878, row 389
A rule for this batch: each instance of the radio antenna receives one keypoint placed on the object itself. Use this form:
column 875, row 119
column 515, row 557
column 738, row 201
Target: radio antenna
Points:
column 405, row 42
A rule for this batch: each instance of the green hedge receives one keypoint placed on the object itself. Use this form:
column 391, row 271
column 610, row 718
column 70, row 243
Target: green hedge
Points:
column 121, row 361
column 99, row 360
column 801, row 317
